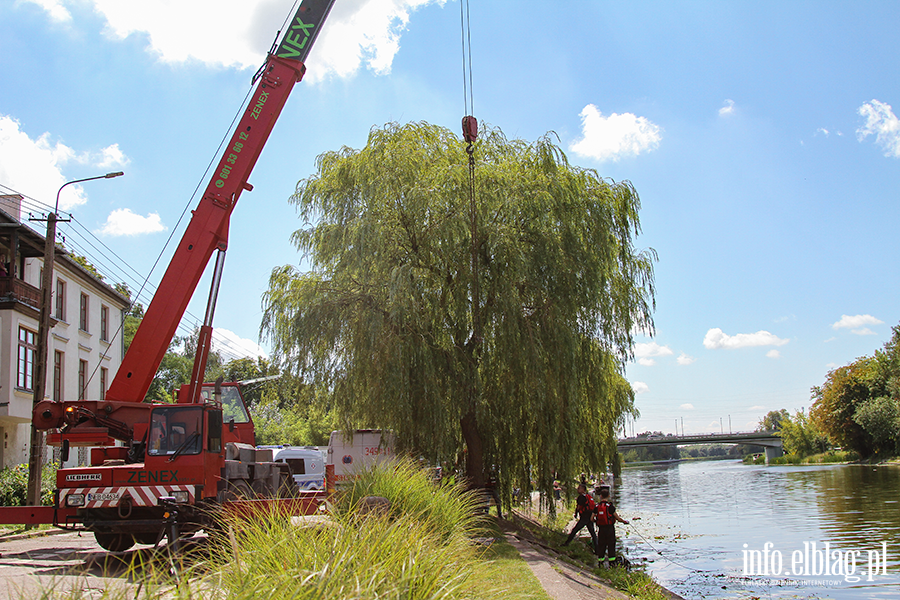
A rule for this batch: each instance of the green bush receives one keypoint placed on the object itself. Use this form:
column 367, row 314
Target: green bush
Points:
column 14, row 485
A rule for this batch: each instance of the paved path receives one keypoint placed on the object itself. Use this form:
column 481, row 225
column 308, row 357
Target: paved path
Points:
column 561, row 580
column 65, row 562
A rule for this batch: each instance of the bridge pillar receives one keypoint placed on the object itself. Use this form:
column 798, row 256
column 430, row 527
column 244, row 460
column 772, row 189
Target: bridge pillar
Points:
column 773, row 452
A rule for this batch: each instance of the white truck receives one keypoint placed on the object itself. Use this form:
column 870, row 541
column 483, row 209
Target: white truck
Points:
column 307, row 465
column 349, row 451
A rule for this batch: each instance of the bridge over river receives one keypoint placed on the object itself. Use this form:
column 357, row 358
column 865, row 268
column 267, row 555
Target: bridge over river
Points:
column 771, row 442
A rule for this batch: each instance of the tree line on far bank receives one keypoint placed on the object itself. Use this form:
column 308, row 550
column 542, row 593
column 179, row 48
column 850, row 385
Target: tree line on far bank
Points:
column 857, row 409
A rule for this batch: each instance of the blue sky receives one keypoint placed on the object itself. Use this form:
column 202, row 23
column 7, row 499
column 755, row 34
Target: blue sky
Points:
column 760, row 136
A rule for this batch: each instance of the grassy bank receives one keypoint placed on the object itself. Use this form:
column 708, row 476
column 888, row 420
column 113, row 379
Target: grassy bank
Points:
column 825, row 458
column 429, row 544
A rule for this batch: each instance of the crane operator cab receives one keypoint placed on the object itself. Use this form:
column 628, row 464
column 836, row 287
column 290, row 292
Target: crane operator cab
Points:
column 176, row 430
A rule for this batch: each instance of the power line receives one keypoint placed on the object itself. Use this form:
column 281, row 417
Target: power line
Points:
column 115, row 268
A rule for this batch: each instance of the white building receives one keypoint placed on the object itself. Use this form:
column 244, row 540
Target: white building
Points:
column 86, row 343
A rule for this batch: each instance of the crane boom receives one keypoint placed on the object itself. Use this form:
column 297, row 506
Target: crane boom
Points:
column 208, row 229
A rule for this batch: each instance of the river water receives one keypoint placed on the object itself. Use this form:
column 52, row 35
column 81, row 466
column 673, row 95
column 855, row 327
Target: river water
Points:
column 721, row 529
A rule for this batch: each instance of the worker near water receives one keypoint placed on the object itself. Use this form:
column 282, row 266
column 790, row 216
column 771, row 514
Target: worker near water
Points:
column 584, row 513
column 605, row 515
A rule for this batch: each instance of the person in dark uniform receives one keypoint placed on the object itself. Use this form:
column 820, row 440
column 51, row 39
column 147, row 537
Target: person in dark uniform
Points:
column 606, row 517
column 584, row 512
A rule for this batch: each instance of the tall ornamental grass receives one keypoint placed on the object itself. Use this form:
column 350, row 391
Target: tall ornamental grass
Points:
column 421, row 549
column 448, row 509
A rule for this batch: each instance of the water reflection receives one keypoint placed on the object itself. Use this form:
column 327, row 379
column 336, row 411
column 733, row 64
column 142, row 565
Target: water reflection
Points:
column 696, row 518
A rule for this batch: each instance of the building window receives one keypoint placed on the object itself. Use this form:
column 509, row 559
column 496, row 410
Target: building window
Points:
column 104, row 323
column 104, row 377
column 27, row 351
column 61, row 300
column 82, row 378
column 57, row 375
column 83, row 313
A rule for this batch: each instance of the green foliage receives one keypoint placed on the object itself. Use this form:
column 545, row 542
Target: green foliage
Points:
column 504, row 343
column 824, row 458
column 292, row 425
column 858, row 407
column 801, row 436
column 86, row 265
column 133, row 319
column 174, row 371
column 836, row 402
column 14, row 485
column 652, row 453
column 880, row 418
column 773, row 420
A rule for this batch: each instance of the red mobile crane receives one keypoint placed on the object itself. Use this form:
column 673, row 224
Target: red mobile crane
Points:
column 178, row 460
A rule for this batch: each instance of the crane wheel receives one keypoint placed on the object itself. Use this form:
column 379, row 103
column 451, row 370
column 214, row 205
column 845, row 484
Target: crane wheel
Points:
column 114, row 542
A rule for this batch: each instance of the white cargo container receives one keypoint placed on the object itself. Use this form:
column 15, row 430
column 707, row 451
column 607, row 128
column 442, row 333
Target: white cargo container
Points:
column 351, row 451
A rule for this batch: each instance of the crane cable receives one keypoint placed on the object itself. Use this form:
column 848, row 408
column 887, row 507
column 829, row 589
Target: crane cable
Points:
column 470, row 134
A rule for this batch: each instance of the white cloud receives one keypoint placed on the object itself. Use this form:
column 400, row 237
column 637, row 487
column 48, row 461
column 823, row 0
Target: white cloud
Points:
column 856, row 322
column 238, row 33
column 716, row 338
column 686, row 407
column 773, row 354
column 647, row 362
column 124, row 222
column 639, row 387
column 57, row 11
column 651, row 349
column 863, row 331
column 728, row 108
column 112, row 156
column 757, row 407
column 683, row 359
column 823, row 131
column 615, row 136
column 883, row 124
column 234, row 346
column 33, row 166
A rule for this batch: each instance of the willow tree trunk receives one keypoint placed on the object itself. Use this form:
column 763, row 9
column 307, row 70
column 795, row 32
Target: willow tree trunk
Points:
column 474, row 448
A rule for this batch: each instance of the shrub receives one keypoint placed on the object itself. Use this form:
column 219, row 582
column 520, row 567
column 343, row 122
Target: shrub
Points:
column 14, row 485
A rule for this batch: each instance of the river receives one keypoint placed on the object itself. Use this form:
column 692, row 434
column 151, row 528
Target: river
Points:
column 721, row 529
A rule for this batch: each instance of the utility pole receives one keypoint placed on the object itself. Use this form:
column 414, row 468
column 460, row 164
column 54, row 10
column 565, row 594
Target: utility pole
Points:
column 36, row 453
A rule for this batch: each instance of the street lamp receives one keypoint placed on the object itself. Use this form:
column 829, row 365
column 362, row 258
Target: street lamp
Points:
column 35, row 457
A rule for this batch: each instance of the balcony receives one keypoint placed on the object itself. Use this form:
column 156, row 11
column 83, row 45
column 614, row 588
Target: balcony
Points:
column 16, row 290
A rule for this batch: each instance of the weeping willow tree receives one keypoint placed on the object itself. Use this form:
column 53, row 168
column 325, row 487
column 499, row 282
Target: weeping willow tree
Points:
column 499, row 340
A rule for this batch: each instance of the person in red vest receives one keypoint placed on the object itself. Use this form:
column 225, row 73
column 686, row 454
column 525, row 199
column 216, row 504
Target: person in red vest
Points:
column 605, row 515
column 584, row 512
